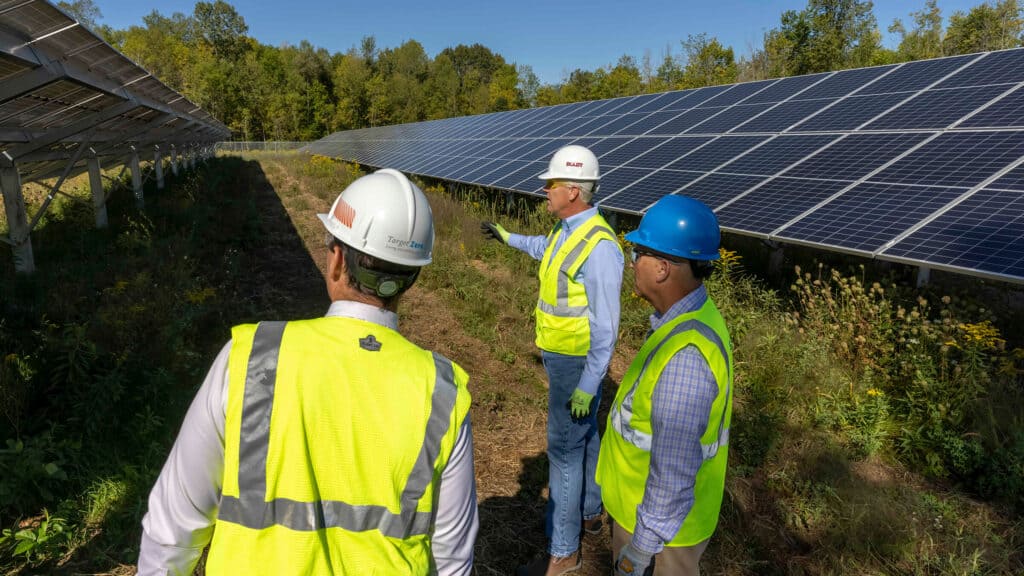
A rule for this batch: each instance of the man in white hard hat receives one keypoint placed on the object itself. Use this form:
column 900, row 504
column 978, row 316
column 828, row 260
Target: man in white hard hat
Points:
column 577, row 314
column 332, row 445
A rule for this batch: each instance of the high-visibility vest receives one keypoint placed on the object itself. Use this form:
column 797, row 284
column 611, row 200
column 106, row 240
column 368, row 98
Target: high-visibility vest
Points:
column 625, row 459
column 337, row 432
column 562, row 323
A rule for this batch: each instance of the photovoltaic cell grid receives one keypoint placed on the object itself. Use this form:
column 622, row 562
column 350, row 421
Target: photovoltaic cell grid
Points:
column 921, row 162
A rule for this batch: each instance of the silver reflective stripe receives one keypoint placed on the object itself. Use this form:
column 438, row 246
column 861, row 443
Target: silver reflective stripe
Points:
column 711, row 450
column 257, row 404
column 622, row 415
column 442, row 402
column 561, row 307
column 252, row 510
column 563, row 311
column 309, row 516
column 641, row 440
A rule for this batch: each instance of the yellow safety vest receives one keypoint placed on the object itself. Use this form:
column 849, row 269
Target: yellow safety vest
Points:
column 625, row 459
column 337, row 431
column 562, row 323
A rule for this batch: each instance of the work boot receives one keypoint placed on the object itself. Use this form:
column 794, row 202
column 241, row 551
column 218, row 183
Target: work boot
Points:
column 594, row 525
column 544, row 565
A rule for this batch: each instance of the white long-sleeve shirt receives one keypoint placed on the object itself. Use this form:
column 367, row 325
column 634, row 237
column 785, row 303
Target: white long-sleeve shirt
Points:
column 184, row 501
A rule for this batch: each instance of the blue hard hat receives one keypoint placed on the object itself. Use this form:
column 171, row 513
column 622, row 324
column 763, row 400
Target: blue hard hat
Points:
column 679, row 226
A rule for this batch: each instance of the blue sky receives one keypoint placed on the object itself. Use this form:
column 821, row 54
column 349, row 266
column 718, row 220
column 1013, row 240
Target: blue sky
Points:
column 554, row 38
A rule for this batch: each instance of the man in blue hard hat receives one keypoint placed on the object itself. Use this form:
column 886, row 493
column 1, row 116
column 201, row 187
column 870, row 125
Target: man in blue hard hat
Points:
column 577, row 321
column 664, row 452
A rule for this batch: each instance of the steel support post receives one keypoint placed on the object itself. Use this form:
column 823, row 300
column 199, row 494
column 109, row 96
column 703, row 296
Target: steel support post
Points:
column 17, row 219
column 99, row 198
column 158, row 165
column 174, row 159
column 137, row 179
column 924, row 274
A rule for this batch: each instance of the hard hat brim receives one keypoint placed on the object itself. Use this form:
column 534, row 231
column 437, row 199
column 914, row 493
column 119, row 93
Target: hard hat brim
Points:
column 547, row 175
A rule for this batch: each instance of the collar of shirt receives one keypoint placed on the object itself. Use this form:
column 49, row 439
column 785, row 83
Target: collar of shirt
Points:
column 573, row 222
column 360, row 311
column 692, row 301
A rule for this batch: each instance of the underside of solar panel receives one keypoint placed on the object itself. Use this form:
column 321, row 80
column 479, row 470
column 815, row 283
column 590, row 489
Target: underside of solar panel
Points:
column 920, row 163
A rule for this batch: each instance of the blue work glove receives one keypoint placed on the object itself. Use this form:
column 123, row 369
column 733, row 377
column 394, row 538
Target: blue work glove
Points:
column 579, row 404
column 633, row 562
column 494, row 230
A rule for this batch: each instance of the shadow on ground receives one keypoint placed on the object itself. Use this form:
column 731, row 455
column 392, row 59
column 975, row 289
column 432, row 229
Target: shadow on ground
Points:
column 219, row 249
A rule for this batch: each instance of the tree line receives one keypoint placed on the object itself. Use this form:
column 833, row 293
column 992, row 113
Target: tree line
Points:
column 303, row 92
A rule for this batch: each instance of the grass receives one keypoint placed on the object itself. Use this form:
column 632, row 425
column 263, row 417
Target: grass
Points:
column 847, row 454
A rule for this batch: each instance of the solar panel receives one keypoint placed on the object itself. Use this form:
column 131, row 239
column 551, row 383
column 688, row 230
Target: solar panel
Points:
column 855, row 155
column 849, row 113
column 667, row 152
column 1003, row 113
column 642, row 193
column 869, row 215
column 879, row 161
column 777, row 154
column 775, row 203
column 957, row 159
column 729, row 118
column 715, row 189
column 985, row 234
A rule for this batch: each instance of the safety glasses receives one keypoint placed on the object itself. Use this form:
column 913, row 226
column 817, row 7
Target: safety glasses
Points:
column 635, row 254
column 552, row 184
column 637, row 251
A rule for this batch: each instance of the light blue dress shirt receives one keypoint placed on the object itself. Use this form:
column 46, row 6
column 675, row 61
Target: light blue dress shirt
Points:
column 601, row 275
column 679, row 415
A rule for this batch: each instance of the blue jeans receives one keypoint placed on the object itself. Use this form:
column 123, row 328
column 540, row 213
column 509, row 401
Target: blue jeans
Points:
column 572, row 457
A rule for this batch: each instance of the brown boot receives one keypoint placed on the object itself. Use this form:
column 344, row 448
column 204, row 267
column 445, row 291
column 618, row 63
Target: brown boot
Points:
column 544, row 565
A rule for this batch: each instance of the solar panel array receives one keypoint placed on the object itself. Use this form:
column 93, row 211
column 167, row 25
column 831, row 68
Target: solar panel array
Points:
column 70, row 102
column 63, row 89
column 918, row 162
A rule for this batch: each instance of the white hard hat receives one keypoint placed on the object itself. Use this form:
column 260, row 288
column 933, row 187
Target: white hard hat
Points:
column 386, row 216
column 572, row 163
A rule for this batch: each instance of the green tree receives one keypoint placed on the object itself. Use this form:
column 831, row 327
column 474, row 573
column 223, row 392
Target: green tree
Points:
column 669, row 75
column 503, row 93
column 85, row 11
column 827, row 35
column 528, row 86
column 924, row 40
column 582, row 85
column 164, row 47
column 622, row 80
column 221, row 26
column 708, row 63
column 443, row 87
column 397, row 93
column 985, row 27
column 351, row 75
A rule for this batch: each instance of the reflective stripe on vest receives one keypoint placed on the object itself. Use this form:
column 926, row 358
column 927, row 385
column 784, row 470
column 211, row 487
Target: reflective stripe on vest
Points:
column 252, row 510
column 561, row 306
column 623, row 414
